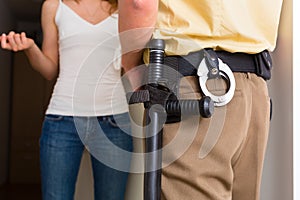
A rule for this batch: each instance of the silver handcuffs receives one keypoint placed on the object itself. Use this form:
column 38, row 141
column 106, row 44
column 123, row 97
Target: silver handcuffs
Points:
column 226, row 73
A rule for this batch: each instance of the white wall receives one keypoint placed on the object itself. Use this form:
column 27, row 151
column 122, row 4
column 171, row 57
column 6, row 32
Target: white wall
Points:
column 277, row 181
column 296, row 95
column 6, row 24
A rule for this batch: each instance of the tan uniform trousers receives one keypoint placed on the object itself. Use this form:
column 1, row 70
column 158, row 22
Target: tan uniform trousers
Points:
column 232, row 168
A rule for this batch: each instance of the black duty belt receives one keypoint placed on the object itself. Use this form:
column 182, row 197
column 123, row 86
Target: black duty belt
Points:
column 260, row 63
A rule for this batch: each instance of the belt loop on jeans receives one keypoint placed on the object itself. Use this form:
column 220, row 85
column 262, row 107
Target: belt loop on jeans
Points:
column 104, row 118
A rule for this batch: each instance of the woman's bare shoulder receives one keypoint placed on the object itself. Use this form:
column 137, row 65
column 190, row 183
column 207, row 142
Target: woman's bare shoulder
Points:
column 49, row 8
column 50, row 4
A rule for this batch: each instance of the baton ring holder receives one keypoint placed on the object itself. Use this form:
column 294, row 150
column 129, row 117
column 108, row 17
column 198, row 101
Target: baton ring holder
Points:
column 226, row 73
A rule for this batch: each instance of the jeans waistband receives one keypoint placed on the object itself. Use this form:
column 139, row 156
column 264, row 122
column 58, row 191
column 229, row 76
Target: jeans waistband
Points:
column 260, row 63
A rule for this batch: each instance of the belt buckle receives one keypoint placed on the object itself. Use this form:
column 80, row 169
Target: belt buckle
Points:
column 226, row 73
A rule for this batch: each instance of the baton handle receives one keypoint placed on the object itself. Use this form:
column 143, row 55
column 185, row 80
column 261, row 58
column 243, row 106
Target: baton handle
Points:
column 156, row 60
column 204, row 107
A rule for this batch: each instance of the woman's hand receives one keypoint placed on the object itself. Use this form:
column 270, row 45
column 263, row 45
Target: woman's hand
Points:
column 16, row 41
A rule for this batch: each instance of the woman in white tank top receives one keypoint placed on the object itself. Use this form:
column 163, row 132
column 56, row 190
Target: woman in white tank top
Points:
column 88, row 108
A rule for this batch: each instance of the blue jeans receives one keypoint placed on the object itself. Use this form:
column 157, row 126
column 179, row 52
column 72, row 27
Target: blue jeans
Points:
column 61, row 146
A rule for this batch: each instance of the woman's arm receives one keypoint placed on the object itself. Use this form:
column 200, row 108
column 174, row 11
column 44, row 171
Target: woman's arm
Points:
column 44, row 61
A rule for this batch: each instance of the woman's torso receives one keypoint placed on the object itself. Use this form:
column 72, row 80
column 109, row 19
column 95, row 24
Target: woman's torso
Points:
column 89, row 81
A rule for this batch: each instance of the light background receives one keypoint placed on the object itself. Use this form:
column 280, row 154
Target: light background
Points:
column 296, row 105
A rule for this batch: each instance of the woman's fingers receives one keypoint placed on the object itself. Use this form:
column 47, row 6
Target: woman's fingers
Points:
column 15, row 41
column 4, row 43
column 11, row 41
column 23, row 38
column 26, row 42
column 19, row 45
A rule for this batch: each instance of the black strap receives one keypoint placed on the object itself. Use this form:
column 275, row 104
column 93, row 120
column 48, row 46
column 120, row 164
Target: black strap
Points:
column 260, row 64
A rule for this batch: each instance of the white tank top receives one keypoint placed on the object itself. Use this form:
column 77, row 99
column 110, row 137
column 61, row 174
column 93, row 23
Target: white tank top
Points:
column 89, row 82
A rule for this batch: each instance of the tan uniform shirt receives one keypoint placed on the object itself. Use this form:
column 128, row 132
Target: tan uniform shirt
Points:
column 248, row 26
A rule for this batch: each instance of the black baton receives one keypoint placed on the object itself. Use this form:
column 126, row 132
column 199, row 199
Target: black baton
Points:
column 157, row 107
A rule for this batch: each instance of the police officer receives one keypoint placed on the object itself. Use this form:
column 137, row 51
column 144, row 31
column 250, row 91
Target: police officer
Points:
column 241, row 33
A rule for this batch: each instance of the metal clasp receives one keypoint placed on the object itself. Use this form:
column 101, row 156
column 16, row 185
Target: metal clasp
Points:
column 226, row 73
